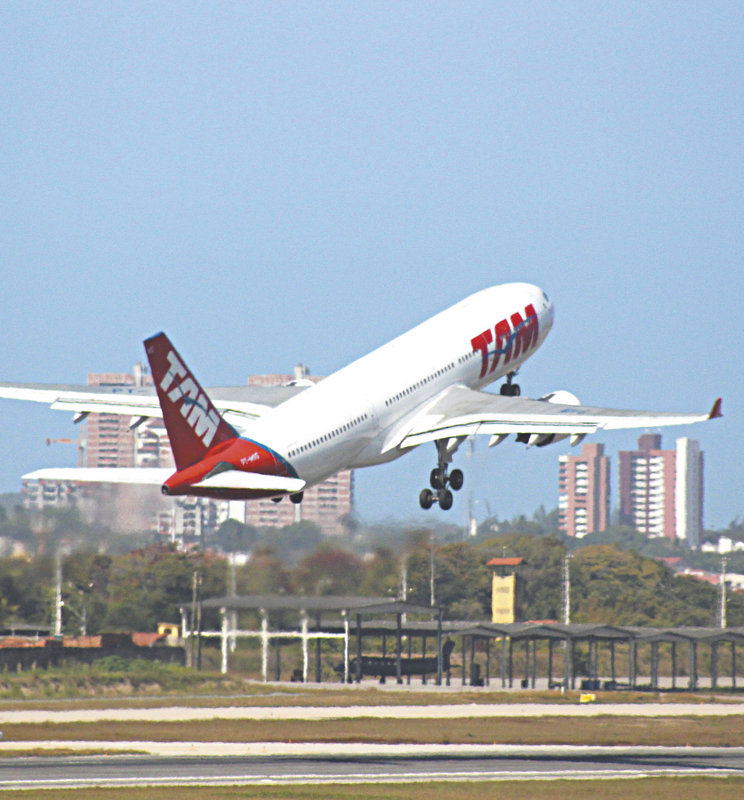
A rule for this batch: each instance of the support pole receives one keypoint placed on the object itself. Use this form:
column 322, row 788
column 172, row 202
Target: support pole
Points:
column 192, row 622
column 398, row 648
column 318, row 664
column 654, row 665
column 408, row 676
column 595, row 675
column 511, row 662
column 423, row 656
column 199, row 624
column 573, row 664
column 550, row 663
column 439, row 647
column 632, row 663
column 567, row 669
column 472, row 659
column 488, row 661
column 345, row 614
column 733, row 664
column 305, row 645
column 613, row 676
column 526, row 663
column 693, row 665
column 503, row 661
column 674, row 665
column 224, row 640
column 185, row 634
column 534, row 663
column 264, row 645
column 714, row 665
column 277, row 661
column 464, row 659
column 359, row 648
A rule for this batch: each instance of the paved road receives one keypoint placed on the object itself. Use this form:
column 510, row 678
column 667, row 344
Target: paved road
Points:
column 449, row 711
column 546, row 763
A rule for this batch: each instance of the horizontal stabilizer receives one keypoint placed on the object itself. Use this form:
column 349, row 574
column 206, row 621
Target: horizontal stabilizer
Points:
column 150, row 476
column 146, row 476
column 237, row 479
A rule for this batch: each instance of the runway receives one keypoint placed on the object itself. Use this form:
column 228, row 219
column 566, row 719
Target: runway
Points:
column 372, row 766
column 444, row 711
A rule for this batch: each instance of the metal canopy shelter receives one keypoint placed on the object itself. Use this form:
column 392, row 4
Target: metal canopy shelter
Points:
column 594, row 634
column 346, row 606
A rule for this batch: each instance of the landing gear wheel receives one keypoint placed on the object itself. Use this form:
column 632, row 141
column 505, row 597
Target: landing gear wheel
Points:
column 438, row 478
column 426, row 499
column 510, row 390
column 456, row 479
column 296, row 497
column 445, row 499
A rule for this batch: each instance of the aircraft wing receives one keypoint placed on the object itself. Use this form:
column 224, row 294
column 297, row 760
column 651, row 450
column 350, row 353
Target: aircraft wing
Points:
column 238, row 404
column 155, row 476
column 460, row 412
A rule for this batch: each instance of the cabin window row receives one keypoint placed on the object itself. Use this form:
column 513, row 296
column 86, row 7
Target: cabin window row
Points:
column 419, row 384
column 328, row 436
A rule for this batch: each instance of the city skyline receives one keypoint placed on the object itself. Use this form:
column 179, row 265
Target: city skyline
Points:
column 270, row 185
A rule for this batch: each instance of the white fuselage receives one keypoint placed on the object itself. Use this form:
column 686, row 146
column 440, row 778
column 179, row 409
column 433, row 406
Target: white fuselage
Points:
column 344, row 421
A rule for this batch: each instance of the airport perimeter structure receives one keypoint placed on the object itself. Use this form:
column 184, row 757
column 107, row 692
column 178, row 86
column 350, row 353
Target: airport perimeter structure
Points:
column 349, row 617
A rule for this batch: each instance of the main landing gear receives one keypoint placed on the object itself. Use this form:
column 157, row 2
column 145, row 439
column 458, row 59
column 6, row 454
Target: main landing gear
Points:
column 510, row 389
column 295, row 498
column 441, row 481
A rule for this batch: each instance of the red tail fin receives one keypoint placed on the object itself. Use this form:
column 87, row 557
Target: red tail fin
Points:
column 193, row 423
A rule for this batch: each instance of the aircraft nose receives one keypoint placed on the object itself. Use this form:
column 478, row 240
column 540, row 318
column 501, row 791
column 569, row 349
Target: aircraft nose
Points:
column 547, row 311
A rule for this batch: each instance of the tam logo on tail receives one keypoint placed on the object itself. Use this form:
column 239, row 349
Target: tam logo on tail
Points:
column 192, row 422
column 196, row 408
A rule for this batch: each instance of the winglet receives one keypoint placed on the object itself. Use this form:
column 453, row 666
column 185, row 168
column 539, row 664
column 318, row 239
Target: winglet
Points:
column 715, row 412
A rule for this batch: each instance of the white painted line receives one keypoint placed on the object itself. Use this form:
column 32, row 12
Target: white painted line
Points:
column 449, row 711
column 341, row 778
column 361, row 750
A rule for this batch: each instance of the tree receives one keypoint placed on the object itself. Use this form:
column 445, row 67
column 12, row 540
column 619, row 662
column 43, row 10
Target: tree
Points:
column 621, row 587
column 265, row 573
column 328, row 571
column 234, row 537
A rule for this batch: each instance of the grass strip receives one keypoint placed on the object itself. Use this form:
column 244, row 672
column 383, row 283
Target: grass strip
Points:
column 636, row 789
column 669, row 731
column 252, row 694
column 43, row 752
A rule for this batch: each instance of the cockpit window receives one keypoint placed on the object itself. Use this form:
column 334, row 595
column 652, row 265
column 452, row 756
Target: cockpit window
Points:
column 547, row 299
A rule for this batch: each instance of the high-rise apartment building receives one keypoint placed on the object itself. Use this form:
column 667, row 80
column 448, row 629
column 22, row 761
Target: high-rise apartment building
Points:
column 327, row 505
column 584, row 491
column 110, row 441
column 661, row 491
column 688, row 492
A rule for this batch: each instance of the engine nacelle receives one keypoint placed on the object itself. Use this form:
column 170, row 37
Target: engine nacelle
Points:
column 562, row 398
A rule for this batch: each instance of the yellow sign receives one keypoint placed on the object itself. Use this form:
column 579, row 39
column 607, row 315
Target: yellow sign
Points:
column 502, row 599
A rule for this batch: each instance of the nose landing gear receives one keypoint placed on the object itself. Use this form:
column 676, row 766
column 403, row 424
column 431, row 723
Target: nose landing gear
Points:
column 441, row 481
column 510, row 389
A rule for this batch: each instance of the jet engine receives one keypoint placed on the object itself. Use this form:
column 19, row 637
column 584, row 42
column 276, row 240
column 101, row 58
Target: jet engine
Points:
column 563, row 398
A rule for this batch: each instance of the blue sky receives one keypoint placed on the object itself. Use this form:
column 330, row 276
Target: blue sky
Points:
column 297, row 181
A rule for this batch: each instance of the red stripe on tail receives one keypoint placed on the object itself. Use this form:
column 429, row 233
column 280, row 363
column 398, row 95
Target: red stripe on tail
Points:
column 194, row 425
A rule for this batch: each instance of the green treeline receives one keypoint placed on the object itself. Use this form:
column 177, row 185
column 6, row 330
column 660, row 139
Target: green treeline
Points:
column 135, row 590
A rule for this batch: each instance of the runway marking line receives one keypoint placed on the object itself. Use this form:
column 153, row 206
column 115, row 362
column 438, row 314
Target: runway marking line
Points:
column 357, row 778
column 465, row 710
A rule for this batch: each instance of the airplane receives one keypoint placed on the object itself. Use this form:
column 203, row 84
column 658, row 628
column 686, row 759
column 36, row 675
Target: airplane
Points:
column 251, row 442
